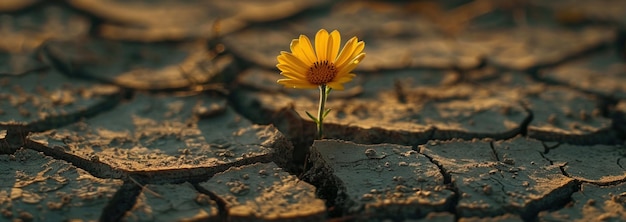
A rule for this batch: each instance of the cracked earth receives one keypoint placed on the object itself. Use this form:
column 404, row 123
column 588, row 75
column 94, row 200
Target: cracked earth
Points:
column 169, row 111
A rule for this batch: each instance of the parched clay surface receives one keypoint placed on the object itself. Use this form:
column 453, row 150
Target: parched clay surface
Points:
column 558, row 113
column 601, row 73
column 574, row 12
column 149, row 134
column 167, row 65
column 592, row 203
column 44, row 100
column 265, row 192
column 166, row 20
column 562, row 114
column 163, row 110
column 404, row 107
column 172, row 202
column 598, row 164
column 412, row 40
column 394, row 40
column 526, row 47
column 25, row 32
column 35, row 187
column 379, row 181
column 506, row 177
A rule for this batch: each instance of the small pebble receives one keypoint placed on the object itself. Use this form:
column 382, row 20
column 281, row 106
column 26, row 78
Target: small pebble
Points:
column 398, row 179
column 487, row 189
column 370, row 152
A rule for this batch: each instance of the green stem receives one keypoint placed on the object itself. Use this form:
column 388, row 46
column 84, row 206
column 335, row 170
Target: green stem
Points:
column 320, row 112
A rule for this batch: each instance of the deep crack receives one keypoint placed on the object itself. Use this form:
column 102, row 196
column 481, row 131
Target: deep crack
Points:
column 123, row 200
column 447, row 180
column 493, row 151
column 221, row 204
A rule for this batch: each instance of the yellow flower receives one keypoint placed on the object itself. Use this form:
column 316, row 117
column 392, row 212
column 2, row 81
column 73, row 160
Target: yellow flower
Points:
column 305, row 68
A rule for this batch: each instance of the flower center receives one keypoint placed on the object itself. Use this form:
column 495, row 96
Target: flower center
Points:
column 321, row 72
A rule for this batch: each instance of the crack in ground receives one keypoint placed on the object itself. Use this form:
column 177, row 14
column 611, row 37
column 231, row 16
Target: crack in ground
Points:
column 618, row 124
column 96, row 169
column 105, row 171
column 134, row 182
column 533, row 208
column 17, row 133
column 503, row 200
column 14, row 138
column 547, row 148
column 493, row 151
column 535, row 71
column 526, row 122
column 561, row 168
column 564, row 172
column 123, row 201
column 221, row 204
column 560, row 198
column 447, row 180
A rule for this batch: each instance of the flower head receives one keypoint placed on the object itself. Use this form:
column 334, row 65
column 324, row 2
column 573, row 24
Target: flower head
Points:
column 307, row 67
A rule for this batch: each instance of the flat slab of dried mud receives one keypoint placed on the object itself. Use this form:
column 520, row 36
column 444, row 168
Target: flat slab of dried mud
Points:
column 153, row 135
column 265, row 192
column 379, row 181
column 504, row 177
column 38, row 187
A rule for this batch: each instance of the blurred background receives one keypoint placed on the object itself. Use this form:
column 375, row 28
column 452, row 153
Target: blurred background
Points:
column 118, row 41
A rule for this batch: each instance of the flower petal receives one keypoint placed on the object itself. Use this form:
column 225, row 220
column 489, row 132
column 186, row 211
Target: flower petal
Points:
column 345, row 78
column 358, row 49
column 292, row 75
column 334, row 42
column 346, row 52
column 335, row 85
column 348, row 67
column 288, row 68
column 293, row 61
column 293, row 83
column 307, row 48
column 321, row 44
column 297, row 51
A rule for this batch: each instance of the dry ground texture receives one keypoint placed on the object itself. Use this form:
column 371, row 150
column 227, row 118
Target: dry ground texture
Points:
column 169, row 110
